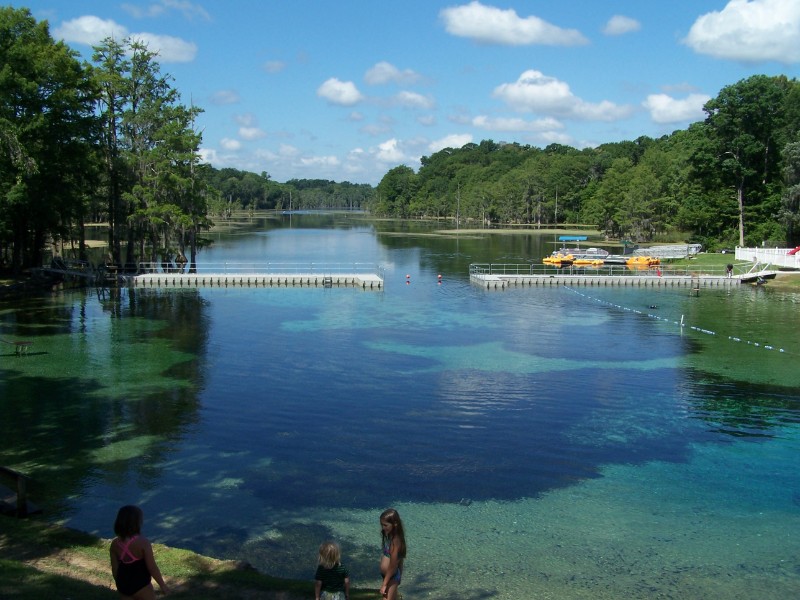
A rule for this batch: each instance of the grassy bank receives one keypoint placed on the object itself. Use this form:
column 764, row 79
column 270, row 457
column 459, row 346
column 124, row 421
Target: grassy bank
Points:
column 40, row 560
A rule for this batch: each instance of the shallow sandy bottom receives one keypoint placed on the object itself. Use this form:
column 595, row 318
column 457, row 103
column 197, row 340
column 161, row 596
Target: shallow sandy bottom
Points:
column 657, row 531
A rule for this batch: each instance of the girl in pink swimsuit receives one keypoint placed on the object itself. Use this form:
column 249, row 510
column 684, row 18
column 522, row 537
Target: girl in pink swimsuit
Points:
column 132, row 561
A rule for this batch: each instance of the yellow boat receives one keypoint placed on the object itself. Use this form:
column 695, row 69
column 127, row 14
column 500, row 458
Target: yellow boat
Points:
column 559, row 259
column 643, row 261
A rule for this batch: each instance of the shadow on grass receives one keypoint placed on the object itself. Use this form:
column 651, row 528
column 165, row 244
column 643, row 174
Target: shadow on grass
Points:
column 18, row 580
column 43, row 561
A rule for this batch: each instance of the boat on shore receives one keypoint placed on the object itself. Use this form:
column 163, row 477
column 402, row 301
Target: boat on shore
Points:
column 577, row 256
column 597, row 258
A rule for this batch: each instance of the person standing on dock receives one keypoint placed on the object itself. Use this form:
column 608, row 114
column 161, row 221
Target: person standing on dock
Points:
column 729, row 270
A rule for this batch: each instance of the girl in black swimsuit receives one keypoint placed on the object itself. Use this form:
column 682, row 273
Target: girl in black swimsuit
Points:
column 132, row 561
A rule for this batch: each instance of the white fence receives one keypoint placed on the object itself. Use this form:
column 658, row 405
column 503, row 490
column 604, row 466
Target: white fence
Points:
column 776, row 257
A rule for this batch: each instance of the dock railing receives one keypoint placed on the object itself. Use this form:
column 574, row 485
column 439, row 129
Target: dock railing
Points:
column 519, row 269
column 266, row 268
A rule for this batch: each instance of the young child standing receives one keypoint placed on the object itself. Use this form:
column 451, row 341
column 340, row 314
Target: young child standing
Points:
column 332, row 579
column 132, row 561
column 393, row 542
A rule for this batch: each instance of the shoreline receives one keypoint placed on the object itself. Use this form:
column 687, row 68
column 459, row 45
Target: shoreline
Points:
column 42, row 559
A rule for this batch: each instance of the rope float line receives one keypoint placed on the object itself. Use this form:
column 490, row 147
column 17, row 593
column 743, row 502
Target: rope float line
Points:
column 680, row 324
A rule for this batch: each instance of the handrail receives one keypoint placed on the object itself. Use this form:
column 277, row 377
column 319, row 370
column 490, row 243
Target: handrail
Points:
column 516, row 269
column 266, row 268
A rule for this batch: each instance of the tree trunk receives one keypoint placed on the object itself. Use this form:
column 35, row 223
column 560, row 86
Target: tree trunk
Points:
column 740, row 198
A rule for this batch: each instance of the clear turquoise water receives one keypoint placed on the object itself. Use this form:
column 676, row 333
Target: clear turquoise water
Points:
column 549, row 443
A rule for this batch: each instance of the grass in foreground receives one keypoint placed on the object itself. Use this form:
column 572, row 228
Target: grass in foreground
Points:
column 40, row 560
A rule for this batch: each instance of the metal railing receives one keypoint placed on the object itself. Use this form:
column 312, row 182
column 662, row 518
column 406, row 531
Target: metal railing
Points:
column 519, row 269
column 266, row 268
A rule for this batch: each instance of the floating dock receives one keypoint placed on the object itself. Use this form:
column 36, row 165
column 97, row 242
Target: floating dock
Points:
column 365, row 281
column 492, row 281
column 501, row 276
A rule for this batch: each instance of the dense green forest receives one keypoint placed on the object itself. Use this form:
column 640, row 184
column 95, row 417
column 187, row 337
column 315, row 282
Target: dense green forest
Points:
column 731, row 179
column 111, row 142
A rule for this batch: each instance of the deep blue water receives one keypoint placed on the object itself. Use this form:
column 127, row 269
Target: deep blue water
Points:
column 582, row 428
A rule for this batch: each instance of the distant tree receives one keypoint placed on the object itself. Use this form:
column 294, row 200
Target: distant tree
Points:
column 396, row 191
column 157, row 203
column 790, row 201
column 744, row 124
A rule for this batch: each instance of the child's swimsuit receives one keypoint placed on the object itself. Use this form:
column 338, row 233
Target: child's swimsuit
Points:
column 132, row 573
column 387, row 551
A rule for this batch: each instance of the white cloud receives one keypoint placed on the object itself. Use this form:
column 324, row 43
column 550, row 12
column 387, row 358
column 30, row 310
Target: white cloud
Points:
column 287, row 150
column 390, row 152
column 515, row 124
column 246, row 119
column 384, row 72
column 251, row 133
column 749, row 31
column 491, row 25
column 414, row 100
column 168, row 48
column 455, row 140
column 344, row 93
column 229, row 144
column 620, row 24
column 538, row 93
column 223, row 97
column 666, row 109
column 209, row 156
column 319, row 161
column 91, row 30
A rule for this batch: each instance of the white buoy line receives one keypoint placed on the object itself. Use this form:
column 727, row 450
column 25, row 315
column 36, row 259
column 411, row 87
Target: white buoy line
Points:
column 680, row 324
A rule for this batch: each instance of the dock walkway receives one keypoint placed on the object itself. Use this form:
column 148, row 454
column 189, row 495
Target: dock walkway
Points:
column 327, row 275
column 501, row 276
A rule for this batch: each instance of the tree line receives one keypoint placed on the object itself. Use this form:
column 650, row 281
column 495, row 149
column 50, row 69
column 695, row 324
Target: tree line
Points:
column 83, row 142
column 731, row 179
column 111, row 142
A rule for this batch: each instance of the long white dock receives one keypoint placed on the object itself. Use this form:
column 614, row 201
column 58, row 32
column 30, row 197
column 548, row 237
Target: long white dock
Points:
column 501, row 276
column 492, row 281
column 364, row 281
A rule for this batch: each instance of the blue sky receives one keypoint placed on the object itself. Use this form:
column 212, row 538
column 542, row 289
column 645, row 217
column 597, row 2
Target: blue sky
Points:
column 347, row 90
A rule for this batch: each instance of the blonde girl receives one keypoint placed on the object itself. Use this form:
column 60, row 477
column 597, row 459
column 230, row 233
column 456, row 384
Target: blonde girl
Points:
column 332, row 580
column 393, row 543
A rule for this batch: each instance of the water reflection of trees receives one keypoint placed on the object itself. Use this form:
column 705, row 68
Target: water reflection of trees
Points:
column 118, row 417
